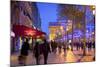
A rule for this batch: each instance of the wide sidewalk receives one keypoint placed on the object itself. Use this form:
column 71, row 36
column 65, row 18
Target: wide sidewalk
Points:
column 56, row 58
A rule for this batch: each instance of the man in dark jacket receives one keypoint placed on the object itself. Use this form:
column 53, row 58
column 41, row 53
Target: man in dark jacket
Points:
column 45, row 50
column 37, row 52
column 41, row 48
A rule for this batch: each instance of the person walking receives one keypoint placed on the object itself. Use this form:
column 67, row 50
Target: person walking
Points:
column 24, row 52
column 45, row 50
column 37, row 52
column 52, row 45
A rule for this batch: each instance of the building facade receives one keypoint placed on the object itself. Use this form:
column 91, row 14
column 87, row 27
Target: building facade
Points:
column 23, row 13
column 36, row 16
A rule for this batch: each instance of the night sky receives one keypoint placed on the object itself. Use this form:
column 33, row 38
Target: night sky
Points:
column 48, row 13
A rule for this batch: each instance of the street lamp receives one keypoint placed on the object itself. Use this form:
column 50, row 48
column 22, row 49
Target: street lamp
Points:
column 93, row 12
column 93, row 9
column 87, row 31
column 70, row 26
column 92, row 33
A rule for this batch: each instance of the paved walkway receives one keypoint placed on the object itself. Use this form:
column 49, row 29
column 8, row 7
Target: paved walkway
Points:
column 69, row 56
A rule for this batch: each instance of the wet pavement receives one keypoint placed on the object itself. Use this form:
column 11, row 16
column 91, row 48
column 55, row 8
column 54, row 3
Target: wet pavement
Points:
column 56, row 58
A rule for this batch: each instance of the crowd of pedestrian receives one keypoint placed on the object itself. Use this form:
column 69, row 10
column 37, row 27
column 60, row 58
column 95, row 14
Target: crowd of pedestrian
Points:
column 43, row 47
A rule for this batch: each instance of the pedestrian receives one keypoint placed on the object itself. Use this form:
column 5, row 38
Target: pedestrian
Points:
column 59, row 47
column 89, row 45
column 55, row 46
column 77, row 44
column 24, row 52
column 45, row 50
column 37, row 52
column 82, row 45
column 64, row 48
column 52, row 45
column 93, row 44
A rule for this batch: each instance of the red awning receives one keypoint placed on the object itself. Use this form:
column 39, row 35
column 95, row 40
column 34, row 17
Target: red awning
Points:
column 21, row 30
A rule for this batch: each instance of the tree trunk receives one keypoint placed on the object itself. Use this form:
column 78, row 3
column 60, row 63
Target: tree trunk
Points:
column 84, row 31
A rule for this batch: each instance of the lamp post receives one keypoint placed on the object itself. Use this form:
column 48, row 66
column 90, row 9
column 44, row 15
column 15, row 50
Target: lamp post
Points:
column 93, row 9
column 70, row 26
column 93, row 12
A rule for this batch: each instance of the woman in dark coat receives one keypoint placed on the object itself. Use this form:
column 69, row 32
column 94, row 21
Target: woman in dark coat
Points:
column 24, row 51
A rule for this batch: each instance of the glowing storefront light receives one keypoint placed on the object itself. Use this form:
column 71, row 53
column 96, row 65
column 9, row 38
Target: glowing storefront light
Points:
column 61, row 27
column 29, row 32
column 69, row 20
column 21, row 42
column 67, row 29
column 30, row 41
